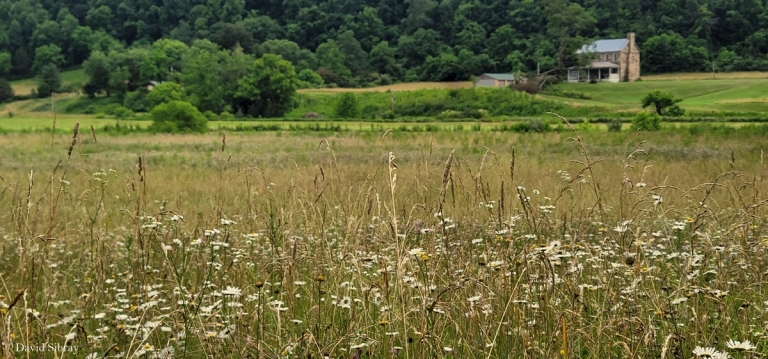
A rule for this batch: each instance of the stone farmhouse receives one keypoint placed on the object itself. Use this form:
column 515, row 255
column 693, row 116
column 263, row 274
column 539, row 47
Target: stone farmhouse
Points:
column 616, row 60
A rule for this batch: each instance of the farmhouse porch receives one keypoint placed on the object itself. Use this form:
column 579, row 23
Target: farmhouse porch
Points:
column 597, row 71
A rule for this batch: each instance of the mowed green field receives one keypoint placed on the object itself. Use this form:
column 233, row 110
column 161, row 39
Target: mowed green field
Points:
column 731, row 95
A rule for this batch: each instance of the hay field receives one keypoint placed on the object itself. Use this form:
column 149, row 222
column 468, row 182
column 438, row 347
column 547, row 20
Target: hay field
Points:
column 408, row 86
column 448, row 245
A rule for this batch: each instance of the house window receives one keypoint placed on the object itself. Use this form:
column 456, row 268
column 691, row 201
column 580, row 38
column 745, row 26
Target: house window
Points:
column 616, row 57
column 614, row 70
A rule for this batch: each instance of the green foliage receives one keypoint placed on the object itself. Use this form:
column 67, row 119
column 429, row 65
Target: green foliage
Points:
column 210, row 115
column 330, row 57
column 136, row 101
column 164, row 93
column 347, row 106
column 6, row 91
column 468, row 103
column 46, row 55
column 559, row 91
column 646, row 121
column 121, row 113
column 382, row 60
column 202, row 81
column 5, row 64
column 660, row 100
column 614, row 126
column 671, row 52
column 177, row 116
column 98, row 70
column 164, row 57
column 269, row 87
column 365, row 43
column 674, row 111
column 49, row 80
column 226, row 116
column 309, row 78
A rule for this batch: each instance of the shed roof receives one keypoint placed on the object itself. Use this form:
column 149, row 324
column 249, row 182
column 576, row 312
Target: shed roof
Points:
column 612, row 45
column 500, row 76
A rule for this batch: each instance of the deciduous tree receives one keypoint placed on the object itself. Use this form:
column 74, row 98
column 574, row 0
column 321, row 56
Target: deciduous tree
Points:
column 269, row 87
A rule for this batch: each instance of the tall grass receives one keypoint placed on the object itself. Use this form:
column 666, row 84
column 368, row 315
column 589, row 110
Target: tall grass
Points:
column 447, row 245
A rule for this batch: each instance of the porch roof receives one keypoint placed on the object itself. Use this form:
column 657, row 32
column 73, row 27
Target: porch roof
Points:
column 597, row 65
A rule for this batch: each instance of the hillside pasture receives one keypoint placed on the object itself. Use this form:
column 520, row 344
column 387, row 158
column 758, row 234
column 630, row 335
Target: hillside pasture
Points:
column 25, row 86
column 732, row 95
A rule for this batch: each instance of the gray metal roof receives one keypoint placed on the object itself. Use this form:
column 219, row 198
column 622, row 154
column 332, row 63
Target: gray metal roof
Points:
column 612, row 45
column 501, row 76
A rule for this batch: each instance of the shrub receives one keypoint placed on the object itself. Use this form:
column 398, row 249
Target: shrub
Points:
column 347, row 106
column 163, row 93
column 614, row 126
column 310, row 77
column 226, row 116
column 449, row 114
column 557, row 91
column 6, row 91
column 370, row 111
column 177, row 116
column 136, row 101
column 210, row 115
column 674, row 111
column 111, row 108
column 646, row 121
column 660, row 100
column 121, row 112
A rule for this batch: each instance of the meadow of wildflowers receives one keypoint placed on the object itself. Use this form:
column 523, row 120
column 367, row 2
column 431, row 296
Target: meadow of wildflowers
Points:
column 444, row 245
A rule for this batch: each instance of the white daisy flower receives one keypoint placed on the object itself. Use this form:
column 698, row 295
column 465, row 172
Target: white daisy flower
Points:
column 740, row 346
column 233, row 291
column 704, row 352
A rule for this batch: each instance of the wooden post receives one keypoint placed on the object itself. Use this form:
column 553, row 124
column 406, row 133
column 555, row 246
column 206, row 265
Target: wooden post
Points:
column 53, row 108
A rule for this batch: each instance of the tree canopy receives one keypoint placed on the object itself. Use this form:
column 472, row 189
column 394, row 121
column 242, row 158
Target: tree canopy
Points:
column 344, row 38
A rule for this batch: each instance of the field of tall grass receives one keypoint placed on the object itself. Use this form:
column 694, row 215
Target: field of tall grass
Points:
column 371, row 245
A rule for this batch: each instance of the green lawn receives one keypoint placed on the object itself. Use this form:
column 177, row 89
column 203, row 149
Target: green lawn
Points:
column 733, row 95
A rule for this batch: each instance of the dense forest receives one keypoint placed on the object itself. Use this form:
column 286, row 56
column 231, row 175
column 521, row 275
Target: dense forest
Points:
column 362, row 42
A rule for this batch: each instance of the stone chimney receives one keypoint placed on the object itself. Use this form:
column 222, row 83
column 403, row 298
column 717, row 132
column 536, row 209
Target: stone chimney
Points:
column 631, row 38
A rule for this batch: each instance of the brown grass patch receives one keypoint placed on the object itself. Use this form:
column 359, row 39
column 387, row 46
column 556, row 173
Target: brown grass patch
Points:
column 707, row 76
column 746, row 100
column 410, row 86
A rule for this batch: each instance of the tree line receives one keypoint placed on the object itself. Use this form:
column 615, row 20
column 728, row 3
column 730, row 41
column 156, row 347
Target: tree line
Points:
column 369, row 42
